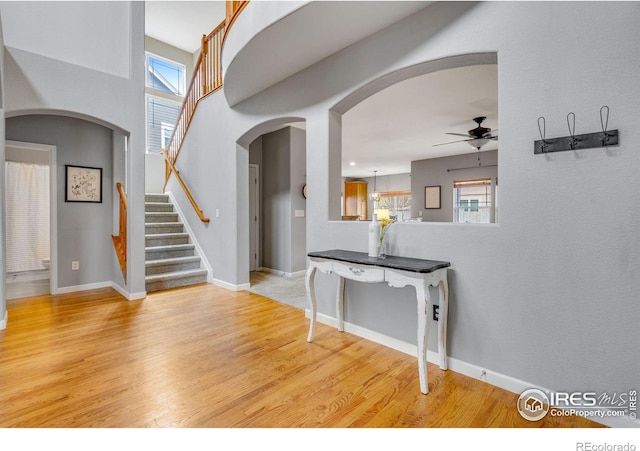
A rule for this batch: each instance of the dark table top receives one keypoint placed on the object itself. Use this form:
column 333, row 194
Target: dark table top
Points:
column 401, row 263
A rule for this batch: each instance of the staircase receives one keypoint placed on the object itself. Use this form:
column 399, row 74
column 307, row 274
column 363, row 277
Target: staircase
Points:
column 170, row 257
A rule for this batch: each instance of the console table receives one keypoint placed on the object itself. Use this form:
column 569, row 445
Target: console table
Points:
column 398, row 272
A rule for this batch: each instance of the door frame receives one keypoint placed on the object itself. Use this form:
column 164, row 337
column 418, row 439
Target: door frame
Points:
column 255, row 229
column 53, row 204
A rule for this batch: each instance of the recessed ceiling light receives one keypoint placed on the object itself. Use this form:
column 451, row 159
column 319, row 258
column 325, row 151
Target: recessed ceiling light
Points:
column 353, row 163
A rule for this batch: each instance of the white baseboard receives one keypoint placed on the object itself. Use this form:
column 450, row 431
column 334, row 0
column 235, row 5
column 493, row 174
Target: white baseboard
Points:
column 229, row 286
column 3, row 323
column 89, row 286
column 500, row 380
column 277, row 272
column 192, row 237
column 126, row 294
column 95, row 286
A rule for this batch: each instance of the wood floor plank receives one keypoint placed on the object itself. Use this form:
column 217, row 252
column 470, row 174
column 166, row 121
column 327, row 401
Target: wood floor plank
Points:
column 204, row 356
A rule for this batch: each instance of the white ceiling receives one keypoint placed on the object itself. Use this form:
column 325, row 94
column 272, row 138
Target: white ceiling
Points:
column 388, row 130
column 182, row 23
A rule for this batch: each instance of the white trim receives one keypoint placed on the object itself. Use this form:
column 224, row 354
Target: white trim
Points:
column 500, row 380
column 277, row 272
column 53, row 205
column 95, row 286
column 126, row 294
column 3, row 323
column 192, row 237
column 88, row 286
column 229, row 286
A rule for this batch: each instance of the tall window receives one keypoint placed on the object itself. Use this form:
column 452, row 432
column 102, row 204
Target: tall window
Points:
column 165, row 87
column 162, row 115
column 474, row 201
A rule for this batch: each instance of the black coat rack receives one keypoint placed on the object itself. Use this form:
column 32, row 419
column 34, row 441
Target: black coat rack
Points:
column 604, row 138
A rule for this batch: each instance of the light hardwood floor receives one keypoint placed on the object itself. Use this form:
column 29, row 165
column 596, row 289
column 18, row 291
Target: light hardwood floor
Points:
column 207, row 357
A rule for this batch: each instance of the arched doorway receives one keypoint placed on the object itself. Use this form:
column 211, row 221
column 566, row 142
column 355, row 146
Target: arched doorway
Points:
column 277, row 212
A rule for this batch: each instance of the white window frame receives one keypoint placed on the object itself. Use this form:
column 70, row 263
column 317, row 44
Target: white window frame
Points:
column 166, row 130
column 181, row 88
column 471, row 207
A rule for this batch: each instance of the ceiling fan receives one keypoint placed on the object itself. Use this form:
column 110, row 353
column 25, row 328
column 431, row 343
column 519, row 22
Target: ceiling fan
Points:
column 476, row 137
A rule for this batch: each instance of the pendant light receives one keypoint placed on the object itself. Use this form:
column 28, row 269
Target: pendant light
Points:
column 375, row 195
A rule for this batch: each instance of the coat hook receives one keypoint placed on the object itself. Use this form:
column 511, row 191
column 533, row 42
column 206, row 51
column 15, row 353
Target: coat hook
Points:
column 543, row 132
column 572, row 129
column 604, row 123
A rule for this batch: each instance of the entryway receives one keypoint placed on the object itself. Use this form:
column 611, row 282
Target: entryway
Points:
column 30, row 205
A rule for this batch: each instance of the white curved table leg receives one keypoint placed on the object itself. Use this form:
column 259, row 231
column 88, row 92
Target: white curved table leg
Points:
column 340, row 304
column 443, row 287
column 424, row 300
column 311, row 297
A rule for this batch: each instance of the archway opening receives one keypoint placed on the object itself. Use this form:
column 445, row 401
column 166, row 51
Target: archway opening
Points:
column 276, row 203
column 420, row 144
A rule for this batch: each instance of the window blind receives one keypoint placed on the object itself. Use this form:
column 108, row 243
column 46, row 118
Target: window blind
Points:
column 477, row 183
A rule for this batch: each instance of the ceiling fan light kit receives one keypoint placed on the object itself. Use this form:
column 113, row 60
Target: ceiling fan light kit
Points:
column 476, row 137
column 605, row 138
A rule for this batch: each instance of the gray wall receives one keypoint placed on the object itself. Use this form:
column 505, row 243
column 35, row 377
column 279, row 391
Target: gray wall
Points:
column 526, row 294
column 283, row 176
column 434, row 172
column 3, row 271
column 298, row 202
column 84, row 229
column 276, row 200
column 119, row 157
column 27, row 156
column 154, row 173
column 37, row 82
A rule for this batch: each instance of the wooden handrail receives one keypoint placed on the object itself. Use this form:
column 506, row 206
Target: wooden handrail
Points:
column 194, row 204
column 120, row 241
column 206, row 79
column 234, row 8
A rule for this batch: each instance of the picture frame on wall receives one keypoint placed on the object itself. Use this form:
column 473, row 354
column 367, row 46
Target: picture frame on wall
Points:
column 432, row 197
column 83, row 184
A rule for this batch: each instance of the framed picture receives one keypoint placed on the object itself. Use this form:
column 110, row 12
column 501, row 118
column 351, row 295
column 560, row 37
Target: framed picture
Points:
column 83, row 184
column 432, row 197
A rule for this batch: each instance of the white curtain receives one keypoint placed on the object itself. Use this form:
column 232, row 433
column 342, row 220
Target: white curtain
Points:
column 27, row 207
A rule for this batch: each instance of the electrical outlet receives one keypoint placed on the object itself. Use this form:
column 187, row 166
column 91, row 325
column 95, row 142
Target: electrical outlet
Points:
column 75, row 266
column 436, row 312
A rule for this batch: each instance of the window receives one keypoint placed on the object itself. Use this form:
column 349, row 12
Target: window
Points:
column 395, row 205
column 474, row 200
column 165, row 88
column 162, row 115
column 165, row 75
column 167, row 130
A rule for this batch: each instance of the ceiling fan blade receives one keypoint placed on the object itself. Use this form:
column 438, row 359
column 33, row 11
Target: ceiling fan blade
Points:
column 452, row 142
column 459, row 134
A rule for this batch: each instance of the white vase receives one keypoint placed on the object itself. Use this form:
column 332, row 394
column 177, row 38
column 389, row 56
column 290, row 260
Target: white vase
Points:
column 374, row 236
